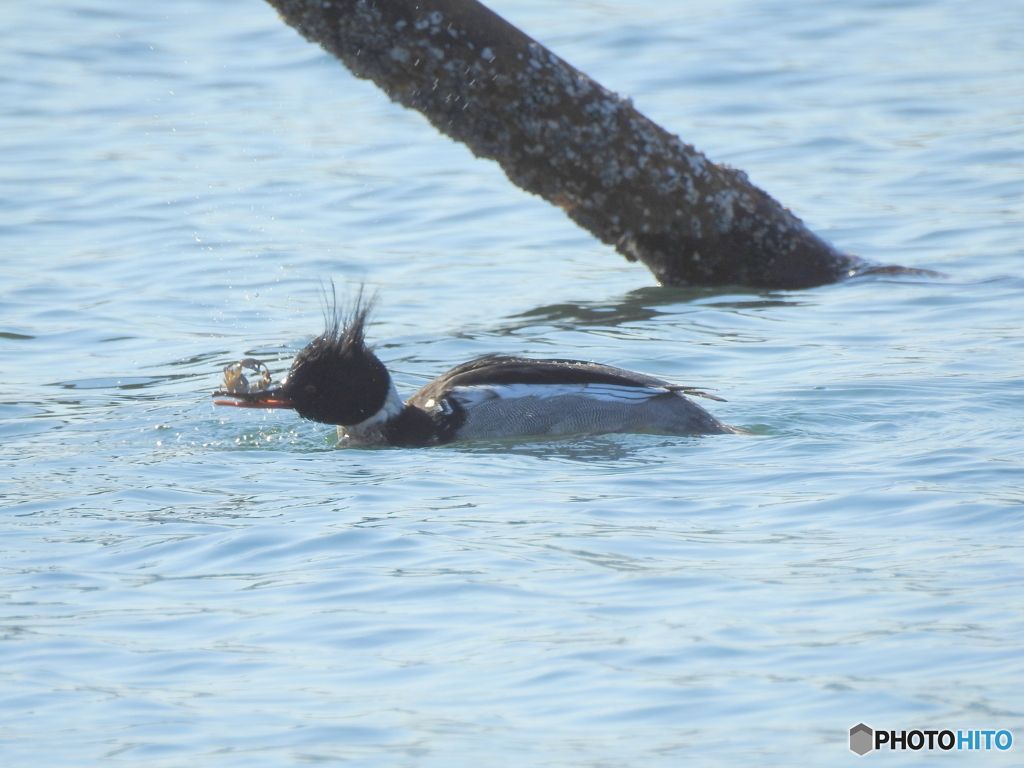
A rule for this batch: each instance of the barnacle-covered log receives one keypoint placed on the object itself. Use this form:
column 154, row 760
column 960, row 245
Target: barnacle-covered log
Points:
column 558, row 134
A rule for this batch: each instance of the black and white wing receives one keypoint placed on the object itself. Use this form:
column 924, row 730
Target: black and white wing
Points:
column 496, row 396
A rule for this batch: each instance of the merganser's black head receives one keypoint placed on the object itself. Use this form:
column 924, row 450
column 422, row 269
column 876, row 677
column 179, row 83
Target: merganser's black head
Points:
column 335, row 379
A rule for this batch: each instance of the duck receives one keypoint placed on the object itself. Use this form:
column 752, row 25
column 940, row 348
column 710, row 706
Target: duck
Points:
column 337, row 379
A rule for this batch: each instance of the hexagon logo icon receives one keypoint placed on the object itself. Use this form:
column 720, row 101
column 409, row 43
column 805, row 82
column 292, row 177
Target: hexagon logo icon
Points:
column 861, row 737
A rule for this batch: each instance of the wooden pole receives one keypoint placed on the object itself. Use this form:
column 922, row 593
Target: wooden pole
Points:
column 558, row 134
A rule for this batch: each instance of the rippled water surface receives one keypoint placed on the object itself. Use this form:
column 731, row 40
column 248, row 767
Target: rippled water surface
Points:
column 187, row 585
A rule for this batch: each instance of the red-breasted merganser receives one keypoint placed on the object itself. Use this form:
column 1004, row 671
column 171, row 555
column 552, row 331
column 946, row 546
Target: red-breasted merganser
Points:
column 338, row 380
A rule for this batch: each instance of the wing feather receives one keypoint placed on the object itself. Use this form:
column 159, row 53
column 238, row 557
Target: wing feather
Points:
column 492, row 371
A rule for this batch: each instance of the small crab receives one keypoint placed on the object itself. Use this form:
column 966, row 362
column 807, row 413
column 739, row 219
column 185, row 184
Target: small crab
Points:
column 235, row 382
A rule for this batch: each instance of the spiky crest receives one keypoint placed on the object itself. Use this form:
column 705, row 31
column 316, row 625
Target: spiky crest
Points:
column 344, row 327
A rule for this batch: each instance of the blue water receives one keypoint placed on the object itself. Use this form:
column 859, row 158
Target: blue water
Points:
column 182, row 584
